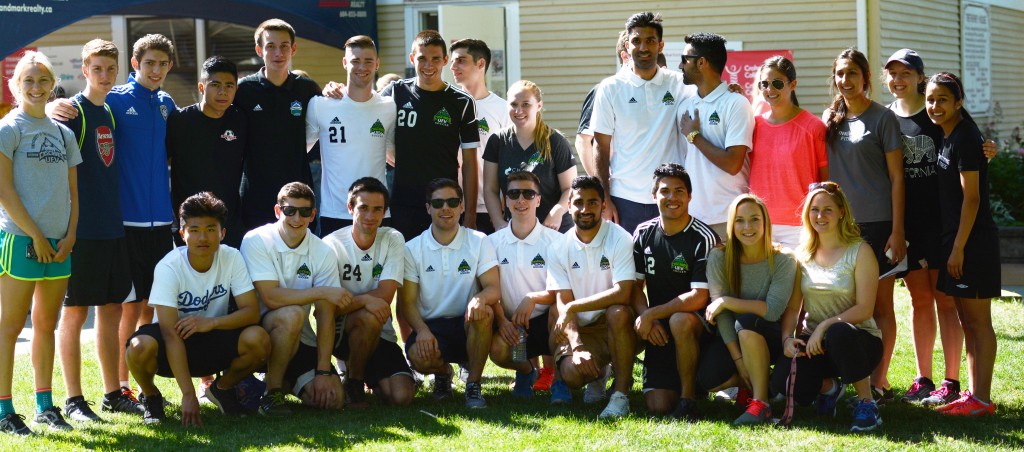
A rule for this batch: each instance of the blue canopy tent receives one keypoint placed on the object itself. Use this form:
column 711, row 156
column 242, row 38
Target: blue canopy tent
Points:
column 329, row 22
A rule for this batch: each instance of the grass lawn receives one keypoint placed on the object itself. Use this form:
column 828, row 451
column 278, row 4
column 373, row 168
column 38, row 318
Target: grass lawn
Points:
column 508, row 424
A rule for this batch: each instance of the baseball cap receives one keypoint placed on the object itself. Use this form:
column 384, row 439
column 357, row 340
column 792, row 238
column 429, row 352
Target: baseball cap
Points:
column 908, row 57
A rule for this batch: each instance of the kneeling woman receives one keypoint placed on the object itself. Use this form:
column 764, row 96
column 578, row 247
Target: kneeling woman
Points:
column 751, row 281
column 838, row 343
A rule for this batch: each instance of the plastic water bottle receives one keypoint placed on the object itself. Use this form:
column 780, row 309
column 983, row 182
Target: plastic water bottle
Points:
column 519, row 350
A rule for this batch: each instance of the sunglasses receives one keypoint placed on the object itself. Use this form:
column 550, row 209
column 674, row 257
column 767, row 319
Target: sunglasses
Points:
column 303, row 211
column 777, row 84
column 692, row 57
column 828, row 186
column 526, row 193
column 438, row 203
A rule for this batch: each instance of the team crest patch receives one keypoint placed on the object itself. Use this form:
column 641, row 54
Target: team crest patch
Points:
column 296, row 108
column 537, row 262
column 377, row 129
column 303, row 272
column 105, row 145
column 667, row 99
column 679, row 265
column 164, row 112
column 605, row 265
column 48, row 151
column 442, row 118
column 714, row 119
column 464, row 267
column 229, row 135
column 377, row 270
column 482, row 126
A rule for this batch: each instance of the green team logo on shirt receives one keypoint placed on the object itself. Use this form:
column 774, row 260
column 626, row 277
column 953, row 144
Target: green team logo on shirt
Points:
column 714, row 119
column 667, row 99
column 296, row 108
column 537, row 262
column 605, row 265
column 377, row 270
column 464, row 267
column 377, row 129
column 482, row 126
column 303, row 272
column 442, row 118
column 679, row 265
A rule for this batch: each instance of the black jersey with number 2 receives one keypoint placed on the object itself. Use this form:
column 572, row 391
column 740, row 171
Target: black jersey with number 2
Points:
column 672, row 264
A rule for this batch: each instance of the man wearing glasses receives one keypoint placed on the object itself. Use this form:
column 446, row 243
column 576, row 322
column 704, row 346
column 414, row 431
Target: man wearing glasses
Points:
column 293, row 270
column 451, row 286
column 718, row 126
column 635, row 112
column 523, row 253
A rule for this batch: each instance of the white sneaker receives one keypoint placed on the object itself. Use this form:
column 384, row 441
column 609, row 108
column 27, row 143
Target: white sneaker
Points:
column 618, row 406
column 727, row 394
column 463, row 373
column 596, row 390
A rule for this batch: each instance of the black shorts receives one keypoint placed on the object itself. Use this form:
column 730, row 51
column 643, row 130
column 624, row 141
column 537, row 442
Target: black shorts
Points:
column 386, row 361
column 924, row 250
column 301, row 369
column 660, row 370
column 451, row 338
column 483, row 223
column 208, row 353
column 410, row 221
column 100, row 273
column 146, row 246
column 876, row 233
column 981, row 269
column 538, row 337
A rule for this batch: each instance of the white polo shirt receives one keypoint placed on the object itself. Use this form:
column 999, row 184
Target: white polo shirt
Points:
column 590, row 268
column 447, row 274
column 354, row 138
column 640, row 116
column 176, row 284
column 363, row 270
column 311, row 264
column 726, row 119
column 523, row 265
column 491, row 116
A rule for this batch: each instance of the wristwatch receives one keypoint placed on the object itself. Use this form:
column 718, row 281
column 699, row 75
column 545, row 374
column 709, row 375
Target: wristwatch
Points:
column 319, row 373
column 692, row 136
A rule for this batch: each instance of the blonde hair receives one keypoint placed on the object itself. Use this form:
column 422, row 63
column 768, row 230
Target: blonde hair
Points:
column 541, row 132
column 31, row 57
column 849, row 232
column 733, row 247
column 99, row 47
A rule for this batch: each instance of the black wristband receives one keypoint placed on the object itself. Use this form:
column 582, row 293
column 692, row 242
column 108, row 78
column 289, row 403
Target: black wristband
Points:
column 323, row 372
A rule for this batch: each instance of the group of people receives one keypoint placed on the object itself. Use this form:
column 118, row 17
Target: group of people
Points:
column 716, row 240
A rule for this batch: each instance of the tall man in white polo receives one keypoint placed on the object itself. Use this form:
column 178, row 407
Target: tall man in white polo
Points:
column 635, row 111
column 718, row 126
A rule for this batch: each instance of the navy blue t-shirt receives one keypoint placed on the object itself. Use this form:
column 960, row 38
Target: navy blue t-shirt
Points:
column 99, row 201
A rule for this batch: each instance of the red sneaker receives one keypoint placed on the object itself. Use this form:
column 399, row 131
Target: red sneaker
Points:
column 544, row 379
column 968, row 406
column 743, row 397
column 964, row 395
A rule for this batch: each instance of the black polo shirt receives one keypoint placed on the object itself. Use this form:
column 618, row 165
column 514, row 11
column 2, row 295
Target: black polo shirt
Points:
column 275, row 150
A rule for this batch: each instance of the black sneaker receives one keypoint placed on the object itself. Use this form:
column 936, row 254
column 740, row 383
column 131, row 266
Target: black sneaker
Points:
column 51, row 417
column 153, row 409
column 78, row 409
column 14, row 423
column 919, row 390
column 225, row 399
column 882, row 396
column 443, row 385
column 122, row 401
column 474, row 398
column 687, row 410
column 273, row 403
column 355, row 395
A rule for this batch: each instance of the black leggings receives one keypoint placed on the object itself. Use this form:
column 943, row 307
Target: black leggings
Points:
column 850, row 354
column 716, row 364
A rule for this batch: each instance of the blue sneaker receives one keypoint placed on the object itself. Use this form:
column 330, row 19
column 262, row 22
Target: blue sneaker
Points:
column 825, row 405
column 865, row 417
column 560, row 393
column 524, row 384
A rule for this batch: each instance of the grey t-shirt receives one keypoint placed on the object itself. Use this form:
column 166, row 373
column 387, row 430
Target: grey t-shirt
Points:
column 41, row 151
column 771, row 284
column 856, row 161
